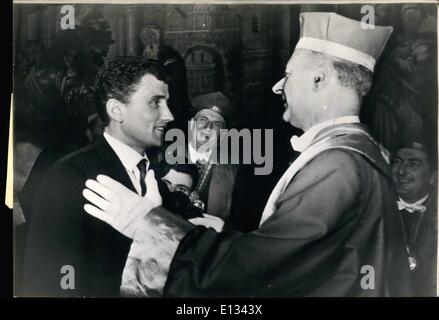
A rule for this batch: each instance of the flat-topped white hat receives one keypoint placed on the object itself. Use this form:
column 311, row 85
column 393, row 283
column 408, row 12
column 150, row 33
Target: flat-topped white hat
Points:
column 344, row 38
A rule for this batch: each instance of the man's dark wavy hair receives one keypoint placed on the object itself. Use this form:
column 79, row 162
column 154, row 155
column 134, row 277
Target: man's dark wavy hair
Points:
column 191, row 169
column 118, row 79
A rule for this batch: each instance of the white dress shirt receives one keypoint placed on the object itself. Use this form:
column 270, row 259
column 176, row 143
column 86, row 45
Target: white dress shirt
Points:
column 129, row 158
column 196, row 156
column 301, row 143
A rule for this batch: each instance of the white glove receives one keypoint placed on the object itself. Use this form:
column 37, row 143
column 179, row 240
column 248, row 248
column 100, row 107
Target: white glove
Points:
column 117, row 205
column 209, row 221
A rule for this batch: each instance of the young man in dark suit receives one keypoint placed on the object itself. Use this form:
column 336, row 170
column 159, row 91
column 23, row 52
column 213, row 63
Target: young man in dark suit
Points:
column 70, row 253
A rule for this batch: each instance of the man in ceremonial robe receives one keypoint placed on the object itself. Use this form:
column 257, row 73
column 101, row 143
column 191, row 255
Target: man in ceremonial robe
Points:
column 330, row 222
column 221, row 188
column 414, row 171
column 216, row 186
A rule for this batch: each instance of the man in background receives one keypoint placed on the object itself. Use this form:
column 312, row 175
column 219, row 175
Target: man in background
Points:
column 216, row 185
column 178, row 177
column 414, row 172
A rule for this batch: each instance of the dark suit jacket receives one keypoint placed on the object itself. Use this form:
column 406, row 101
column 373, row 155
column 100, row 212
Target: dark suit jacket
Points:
column 62, row 233
column 424, row 248
column 45, row 160
column 221, row 190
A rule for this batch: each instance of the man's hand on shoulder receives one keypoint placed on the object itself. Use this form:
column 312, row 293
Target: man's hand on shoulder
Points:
column 118, row 206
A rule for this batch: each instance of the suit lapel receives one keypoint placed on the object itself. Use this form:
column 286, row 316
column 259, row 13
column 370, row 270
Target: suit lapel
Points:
column 116, row 170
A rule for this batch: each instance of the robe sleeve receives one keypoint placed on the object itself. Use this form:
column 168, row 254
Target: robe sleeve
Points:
column 294, row 251
column 153, row 247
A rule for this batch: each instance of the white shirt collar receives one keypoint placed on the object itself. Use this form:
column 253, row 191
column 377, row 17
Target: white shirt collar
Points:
column 196, row 156
column 304, row 141
column 127, row 155
column 417, row 203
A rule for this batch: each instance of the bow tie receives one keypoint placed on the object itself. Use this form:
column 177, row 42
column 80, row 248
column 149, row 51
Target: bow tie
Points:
column 411, row 207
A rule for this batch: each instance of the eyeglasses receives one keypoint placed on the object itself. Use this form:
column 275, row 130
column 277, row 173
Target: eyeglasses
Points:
column 205, row 122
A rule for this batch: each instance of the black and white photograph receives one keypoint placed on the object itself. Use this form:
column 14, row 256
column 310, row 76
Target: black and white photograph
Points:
column 225, row 149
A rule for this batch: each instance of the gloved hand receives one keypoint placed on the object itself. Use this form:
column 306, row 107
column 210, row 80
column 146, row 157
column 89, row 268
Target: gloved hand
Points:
column 117, row 205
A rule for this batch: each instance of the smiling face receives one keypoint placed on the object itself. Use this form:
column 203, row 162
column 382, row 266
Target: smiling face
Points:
column 412, row 174
column 145, row 117
column 208, row 124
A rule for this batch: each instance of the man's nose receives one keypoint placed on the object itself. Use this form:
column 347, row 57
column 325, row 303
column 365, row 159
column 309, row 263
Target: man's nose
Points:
column 166, row 114
column 278, row 87
column 209, row 125
column 171, row 187
column 402, row 169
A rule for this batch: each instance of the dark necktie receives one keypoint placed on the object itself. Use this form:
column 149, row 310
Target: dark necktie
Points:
column 200, row 165
column 142, row 168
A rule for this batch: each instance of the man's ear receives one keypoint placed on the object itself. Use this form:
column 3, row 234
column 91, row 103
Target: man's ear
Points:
column 321, row 77
column 115, row 110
